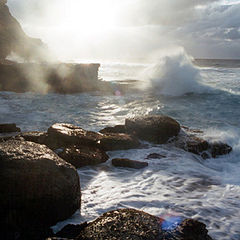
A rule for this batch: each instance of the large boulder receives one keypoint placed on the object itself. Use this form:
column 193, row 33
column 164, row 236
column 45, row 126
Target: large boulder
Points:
column 133, row 224
column 81, row 156
column 154, row 128
column 38, row 188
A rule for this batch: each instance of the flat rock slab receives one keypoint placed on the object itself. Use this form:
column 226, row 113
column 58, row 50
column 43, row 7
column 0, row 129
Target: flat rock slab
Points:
column 81, row 156
column 124, row 162
column 9, row 128
column 154, row 128
column 64, row 134
column 38, row 188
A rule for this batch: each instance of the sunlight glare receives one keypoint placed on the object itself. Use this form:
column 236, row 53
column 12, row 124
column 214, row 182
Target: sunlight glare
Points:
column 89, row 16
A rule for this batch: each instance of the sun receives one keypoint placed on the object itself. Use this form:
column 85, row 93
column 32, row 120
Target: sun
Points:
column 90, row 16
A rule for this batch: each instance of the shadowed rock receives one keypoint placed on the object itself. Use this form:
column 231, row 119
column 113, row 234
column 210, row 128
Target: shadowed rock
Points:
column 80, row 156
column 38, row 188
column 9, row 127
column 156, row 129
column 118, row 141
column 124, row 162
column 115, row 129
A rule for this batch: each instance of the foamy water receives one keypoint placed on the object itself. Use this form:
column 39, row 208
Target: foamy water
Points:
column 181, row 184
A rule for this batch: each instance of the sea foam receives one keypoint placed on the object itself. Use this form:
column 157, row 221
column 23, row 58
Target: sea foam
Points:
column 175, row 75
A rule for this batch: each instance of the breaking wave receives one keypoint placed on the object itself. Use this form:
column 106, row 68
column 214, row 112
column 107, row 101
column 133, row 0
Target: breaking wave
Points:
column 174, row 75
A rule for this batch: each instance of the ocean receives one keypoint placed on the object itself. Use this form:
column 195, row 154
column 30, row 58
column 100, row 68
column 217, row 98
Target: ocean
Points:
column 205, row 96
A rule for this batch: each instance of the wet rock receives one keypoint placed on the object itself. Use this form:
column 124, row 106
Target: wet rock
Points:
column 202, row 147
column 155, row 156
column 156, row 129
column 38, row 188
column 64, row 134
column 124, row 162
column 115, row 129
column 80, row 156
column 118, row 141
column 191, row 143
column 191, row 229
column 133, row 224
column 9, row 128
column 219, row 148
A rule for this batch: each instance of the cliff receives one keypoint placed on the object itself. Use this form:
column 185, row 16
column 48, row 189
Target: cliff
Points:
column 38, row 76
column 13, row 38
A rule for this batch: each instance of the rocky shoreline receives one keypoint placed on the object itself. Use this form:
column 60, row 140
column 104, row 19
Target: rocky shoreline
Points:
column 40, row 185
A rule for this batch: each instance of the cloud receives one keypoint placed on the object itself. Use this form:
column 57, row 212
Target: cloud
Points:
column 205, row 28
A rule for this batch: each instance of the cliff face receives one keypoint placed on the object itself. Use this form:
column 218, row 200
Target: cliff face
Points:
column 13, row 38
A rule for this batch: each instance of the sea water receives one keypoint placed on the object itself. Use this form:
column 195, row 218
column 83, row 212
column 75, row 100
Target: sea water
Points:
column 180, row 184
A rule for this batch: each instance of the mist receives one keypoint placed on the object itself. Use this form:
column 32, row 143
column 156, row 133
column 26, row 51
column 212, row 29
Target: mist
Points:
column 131, row 30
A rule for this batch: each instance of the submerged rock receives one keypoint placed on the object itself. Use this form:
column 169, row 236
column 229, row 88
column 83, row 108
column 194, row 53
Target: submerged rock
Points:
column 118, row 141
column 38, row 188
column 9, row 128
column 124, row 162
column 154, row 128
column 133, row 224
column 80, row 156
column 155, row 156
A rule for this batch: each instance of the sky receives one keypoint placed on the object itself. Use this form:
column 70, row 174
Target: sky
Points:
column 132, row 29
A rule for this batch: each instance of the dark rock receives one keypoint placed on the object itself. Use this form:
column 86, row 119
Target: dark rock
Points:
column 197, row 145
column 219, row 148
column 124, row 162
column 156, row 129
column 115, row 129
column 63, row 134
column 191, row 143
column 9, row 128
column 71, row 231
column 80, row 156
column 38, row 188
column 118, row 141
column 191, row 229
column 155, row 156
column 133, row 224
